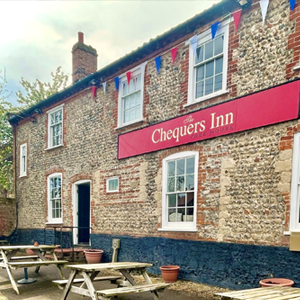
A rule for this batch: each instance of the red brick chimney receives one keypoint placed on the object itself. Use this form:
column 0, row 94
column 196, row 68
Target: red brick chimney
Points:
column 84, row 59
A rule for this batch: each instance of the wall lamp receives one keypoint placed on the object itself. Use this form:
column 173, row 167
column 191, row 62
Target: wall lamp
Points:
column 38, row 111
column 244, row 3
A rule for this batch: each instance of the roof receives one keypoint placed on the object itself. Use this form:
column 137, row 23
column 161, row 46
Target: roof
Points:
column 188, row 27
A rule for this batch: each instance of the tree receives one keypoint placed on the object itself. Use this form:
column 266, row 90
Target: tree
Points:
column 6, row 138
column 39, row 91
column 35, row 93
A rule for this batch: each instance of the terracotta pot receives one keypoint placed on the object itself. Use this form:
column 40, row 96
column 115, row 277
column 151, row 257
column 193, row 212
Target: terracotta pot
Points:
column 29, row 251
column 93, row 256
column 276, row 282
column 169, row 273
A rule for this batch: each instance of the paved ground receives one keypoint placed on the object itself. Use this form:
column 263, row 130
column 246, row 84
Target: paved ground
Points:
column 44, row 289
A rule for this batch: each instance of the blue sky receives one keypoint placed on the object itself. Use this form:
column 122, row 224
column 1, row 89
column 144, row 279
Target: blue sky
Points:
column 37, row 36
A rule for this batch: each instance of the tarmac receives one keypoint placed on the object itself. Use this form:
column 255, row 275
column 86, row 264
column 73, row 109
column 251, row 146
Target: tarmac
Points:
column 44, row 289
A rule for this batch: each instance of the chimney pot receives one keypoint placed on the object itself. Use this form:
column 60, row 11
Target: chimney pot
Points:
column 80, row 37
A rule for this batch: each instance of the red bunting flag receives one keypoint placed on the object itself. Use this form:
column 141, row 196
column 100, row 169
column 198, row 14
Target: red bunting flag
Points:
column 174, row 52
column 236, row 17
column 94, row 89
column 128, row 74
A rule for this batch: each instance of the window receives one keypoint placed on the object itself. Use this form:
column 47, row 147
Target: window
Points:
column 55, row 127
column 208, row 66
column 295, row 186
column 112, row 184
column 131, row 97
column 54, row 198
column 23, row 160
column 180, row 172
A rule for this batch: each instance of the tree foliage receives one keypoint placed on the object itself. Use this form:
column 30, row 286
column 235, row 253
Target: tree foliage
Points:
column 35, row 93
column 38, row 91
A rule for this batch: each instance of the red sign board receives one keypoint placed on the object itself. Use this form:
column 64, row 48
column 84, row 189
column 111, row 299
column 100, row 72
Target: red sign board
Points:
column 270, row 106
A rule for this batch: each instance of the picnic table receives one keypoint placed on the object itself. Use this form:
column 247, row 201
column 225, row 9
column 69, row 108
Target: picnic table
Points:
column 264, row 293
column 90, row 271
column 10, row 262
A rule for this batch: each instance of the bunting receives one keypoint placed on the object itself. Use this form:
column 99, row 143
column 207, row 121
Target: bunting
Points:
column 128, row 75
column 264, row 8
column 94, row 89
column 193, row 42
column 157, row 63
column 214, row 28
column 236, row 18
column 292, row 4
column 104, row 87
column 173, row 53
column 117, row 80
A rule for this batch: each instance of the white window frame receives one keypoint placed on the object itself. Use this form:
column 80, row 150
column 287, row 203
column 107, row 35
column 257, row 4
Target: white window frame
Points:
column 107, row 184
column 50, row 112
column 295, row 186
column 50, row 219
column 223, row 29
column 139, row 70
column 23, row 164
column 178, row 226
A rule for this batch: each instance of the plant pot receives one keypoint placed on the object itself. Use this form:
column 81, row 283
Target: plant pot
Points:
column 29, row 251
column 276, row 282
column 93, row 256
column 169, row 273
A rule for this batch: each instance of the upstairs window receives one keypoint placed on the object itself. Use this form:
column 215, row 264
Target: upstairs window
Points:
column 208, row 66
column 55, row 127
column 131, row 97
column 54, row 198
column 180, row 191
column 23, row 160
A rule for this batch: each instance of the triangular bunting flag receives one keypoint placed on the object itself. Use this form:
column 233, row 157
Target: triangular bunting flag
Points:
column 292, row 4
column 214, row 28
column 104, row 87
column 94, row 89
column 173, row 53
column 236, row 18
column 117, row 79
column 157, row 63
column 128, row 75
column 194, row 41
column 264, row 8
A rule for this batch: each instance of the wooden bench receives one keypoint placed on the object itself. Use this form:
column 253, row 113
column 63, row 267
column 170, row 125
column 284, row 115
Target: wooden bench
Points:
column 27, row 264
column 132, row 289
column 24, row 257
column 61, row 283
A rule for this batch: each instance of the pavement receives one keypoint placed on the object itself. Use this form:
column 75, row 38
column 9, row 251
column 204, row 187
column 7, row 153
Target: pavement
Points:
column 44, row 289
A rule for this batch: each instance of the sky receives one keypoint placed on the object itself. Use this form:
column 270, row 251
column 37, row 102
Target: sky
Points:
column 37, row 36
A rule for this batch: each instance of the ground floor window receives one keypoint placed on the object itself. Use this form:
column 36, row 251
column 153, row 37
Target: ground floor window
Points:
column 180, row 172
column 54, row 198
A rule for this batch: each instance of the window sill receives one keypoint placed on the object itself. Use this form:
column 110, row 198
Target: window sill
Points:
column 54, row 223
column 177, row 229
column 210, row 96
column 22, row 176
column 129, row 124
column 47, row 149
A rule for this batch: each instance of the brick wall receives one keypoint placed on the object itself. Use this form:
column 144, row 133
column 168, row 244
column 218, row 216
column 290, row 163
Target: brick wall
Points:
column 243, row 190
column 7, row 216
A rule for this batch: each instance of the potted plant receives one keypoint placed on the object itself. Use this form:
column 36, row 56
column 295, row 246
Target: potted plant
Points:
column 276, row 282
column 93, row 256
column 169, row 273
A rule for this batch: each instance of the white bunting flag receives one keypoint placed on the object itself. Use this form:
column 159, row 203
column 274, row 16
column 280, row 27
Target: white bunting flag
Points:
column 264, row 8
column 193, row 41
column 104, row 87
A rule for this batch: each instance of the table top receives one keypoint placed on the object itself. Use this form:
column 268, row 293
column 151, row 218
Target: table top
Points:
column 264, row 293
column 20, row 247
column 102, row 266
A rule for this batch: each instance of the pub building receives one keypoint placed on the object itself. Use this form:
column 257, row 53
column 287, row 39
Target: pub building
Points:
column 186, row 149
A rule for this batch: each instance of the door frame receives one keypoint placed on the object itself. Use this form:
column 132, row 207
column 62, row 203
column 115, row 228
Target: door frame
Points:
column 75, row 208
